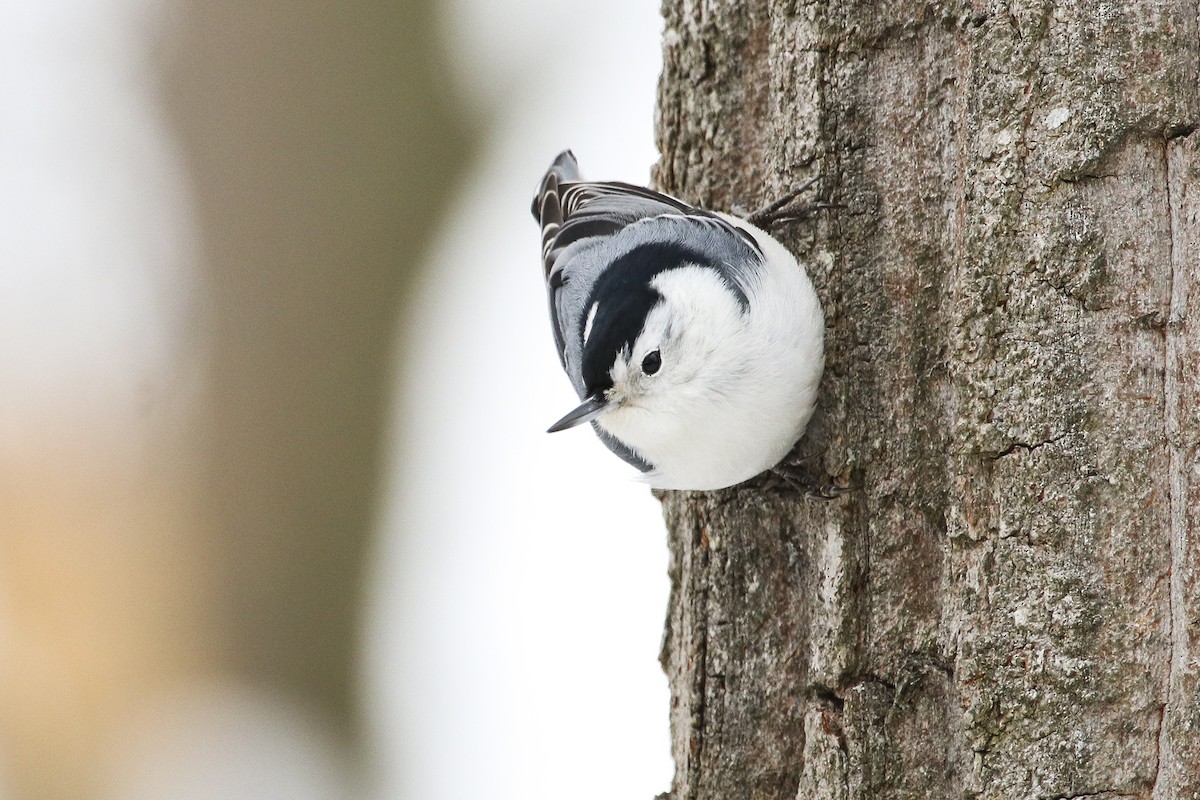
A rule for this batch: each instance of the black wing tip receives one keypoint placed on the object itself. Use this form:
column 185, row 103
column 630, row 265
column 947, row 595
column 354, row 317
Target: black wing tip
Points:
column 562, row 170
column 564, row 167
column 566, row 161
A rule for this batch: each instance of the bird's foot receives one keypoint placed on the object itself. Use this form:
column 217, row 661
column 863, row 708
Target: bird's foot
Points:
column 827, row 491
column 795, row 475
column 784, row 209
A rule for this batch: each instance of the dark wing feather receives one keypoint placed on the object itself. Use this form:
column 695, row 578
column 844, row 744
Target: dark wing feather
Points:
column 571, row 210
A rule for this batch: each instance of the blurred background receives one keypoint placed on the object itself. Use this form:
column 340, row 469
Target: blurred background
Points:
column 278, row 518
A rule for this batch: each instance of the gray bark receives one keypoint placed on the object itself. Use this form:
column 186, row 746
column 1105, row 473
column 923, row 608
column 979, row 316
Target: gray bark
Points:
column 1008, row 606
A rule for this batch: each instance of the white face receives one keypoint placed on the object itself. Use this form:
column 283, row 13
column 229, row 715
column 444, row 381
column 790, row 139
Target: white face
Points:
column 641, row 374
column 684, row 355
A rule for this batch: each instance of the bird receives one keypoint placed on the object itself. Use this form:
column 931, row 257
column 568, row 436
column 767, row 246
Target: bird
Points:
column 693, row 338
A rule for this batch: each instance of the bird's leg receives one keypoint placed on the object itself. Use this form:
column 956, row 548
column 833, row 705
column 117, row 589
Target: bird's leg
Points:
column 792, row 472
column 782, row 210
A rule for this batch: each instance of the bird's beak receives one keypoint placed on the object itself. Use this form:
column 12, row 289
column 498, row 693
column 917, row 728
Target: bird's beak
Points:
column 587, row 411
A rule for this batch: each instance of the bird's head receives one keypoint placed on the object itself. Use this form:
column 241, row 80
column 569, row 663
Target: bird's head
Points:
column 655, row 349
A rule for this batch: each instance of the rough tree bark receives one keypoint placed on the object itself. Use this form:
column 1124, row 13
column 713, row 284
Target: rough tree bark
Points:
column 1009, row 605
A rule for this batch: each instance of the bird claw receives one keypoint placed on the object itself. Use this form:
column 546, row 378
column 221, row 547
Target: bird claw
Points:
column 781, row 210
column 827, row 491
column 790, row 473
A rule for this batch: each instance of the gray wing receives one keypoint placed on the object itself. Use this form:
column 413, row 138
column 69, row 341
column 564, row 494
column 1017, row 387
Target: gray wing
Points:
column 586, row 225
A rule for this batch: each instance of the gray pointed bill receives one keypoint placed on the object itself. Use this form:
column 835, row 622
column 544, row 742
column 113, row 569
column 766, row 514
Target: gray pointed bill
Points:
column 587, row 411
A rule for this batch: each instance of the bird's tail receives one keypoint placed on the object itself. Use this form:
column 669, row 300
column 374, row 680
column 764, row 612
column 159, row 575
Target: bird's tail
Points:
column 547, row 203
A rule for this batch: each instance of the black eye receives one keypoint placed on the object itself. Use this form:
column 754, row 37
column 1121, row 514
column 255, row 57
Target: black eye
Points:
column 651, row 362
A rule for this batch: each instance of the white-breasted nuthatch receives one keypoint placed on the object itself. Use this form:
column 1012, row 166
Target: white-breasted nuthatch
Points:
column 694, row 339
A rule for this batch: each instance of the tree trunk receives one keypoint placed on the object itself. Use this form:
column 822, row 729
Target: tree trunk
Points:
column 1008, row 605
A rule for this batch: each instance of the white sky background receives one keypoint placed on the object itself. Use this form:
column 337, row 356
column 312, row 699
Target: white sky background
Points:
column 87, row 310
column 520, row 587
column 520, row 580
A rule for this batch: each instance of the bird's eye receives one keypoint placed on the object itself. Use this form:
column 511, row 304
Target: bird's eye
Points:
column 652, row 362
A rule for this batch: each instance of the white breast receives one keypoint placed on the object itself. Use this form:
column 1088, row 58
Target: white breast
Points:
column 754, row 389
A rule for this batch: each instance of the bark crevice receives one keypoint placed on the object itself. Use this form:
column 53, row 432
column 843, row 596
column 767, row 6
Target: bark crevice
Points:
column 1177, row 608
